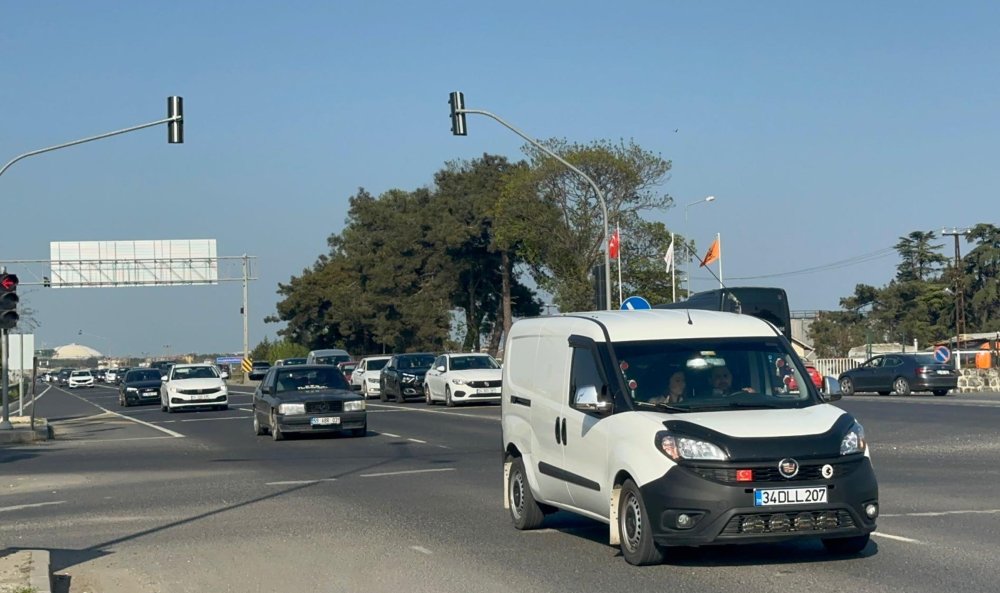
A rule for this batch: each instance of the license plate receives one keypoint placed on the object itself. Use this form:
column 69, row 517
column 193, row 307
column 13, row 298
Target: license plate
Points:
column 201, row 397
column 489, row 390
column 944, row 372
column 780, row 496
column 325, row 421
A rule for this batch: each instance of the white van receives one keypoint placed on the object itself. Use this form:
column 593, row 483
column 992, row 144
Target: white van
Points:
column 679, row 427
column 329, row 356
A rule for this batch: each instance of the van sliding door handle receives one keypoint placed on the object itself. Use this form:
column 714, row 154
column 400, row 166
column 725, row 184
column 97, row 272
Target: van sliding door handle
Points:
column 558, row 440
column 564, row 431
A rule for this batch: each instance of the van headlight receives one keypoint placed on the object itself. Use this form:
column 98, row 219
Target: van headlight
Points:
column 354, row 406
column 681, row 447
column 292, row 409
column 854, row 440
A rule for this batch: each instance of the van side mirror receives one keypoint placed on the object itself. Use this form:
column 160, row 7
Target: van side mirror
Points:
column 831, row 389
column 440, row 368
column 587, row 400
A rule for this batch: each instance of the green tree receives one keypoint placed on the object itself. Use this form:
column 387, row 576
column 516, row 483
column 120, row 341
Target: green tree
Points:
column 919, row 257
column 982, row 274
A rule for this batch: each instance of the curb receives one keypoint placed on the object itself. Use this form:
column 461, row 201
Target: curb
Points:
column 39, row 577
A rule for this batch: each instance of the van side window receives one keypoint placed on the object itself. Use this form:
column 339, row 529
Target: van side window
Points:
column 585, row 371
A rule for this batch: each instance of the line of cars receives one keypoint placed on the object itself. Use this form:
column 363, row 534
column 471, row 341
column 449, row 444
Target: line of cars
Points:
column 450, row 378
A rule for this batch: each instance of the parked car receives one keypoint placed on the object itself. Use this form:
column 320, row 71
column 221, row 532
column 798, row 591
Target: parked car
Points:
column 347, row 369
column 193, row 385
column 139, row 386
column 462, row 378
column 366, row 378
column 901, row 373
column 281, row 362
column 307, row 399
column 736, row 459
column 80, row 379
column 259, row 369
column 403, row 376
column 328, row 356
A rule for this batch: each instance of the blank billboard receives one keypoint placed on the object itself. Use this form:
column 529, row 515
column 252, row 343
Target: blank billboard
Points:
column 133, row 263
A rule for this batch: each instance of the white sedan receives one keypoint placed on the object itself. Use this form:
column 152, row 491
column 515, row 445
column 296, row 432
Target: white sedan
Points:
column 80, row 379
column 366, row 378
column 193, row 385
column 463, row 378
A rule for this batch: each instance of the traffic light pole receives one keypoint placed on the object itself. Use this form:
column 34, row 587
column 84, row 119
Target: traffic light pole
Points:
column 4, row 385
column 460, row 109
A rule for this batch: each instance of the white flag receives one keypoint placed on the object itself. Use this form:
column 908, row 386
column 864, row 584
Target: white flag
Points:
column 668, row 258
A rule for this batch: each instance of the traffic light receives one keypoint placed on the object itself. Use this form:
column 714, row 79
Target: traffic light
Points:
column 175, row 129
column 457, row 102
column 8, row 301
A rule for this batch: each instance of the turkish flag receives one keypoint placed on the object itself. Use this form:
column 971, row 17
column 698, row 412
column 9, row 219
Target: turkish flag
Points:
column 614, row 244
column 712, row 255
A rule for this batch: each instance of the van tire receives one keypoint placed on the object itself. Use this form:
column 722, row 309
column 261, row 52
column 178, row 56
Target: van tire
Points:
column 524, row 511
column 635, row 528
column 846, row 545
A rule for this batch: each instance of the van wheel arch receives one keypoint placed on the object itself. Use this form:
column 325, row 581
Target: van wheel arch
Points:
column 614, row 538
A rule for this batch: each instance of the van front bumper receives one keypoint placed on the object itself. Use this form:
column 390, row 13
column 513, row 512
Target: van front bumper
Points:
column 720, row 512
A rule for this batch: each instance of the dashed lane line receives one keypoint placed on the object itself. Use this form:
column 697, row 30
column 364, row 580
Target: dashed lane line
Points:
column 299, row 482
column 410, row 471
column 35, row 505
column 943, row 513
column 897, row 538
column 421, row 549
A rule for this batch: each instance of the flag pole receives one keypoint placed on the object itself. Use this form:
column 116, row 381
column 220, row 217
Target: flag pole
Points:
column 718, row 239
column 673, row 271
column 621, row 252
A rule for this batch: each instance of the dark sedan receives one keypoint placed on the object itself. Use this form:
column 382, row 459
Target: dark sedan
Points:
column 403, row 376
column 307, row 399
column 139, row 386
column 902, row 373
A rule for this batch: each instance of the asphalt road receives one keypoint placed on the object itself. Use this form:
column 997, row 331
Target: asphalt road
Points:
column 138, row 500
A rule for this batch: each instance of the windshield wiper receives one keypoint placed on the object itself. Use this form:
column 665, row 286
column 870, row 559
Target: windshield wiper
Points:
column 663, row 406
column 740, row 405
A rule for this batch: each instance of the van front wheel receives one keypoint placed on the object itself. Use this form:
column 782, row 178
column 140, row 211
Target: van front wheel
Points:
column 635, row 529
column 524, row 511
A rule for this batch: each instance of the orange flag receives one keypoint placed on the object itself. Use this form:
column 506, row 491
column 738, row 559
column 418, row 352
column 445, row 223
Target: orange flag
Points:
column 614, row 244
column 712, row 255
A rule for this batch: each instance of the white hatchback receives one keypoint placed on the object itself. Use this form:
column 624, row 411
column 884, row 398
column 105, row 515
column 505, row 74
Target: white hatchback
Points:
column 193, row 385
column 463, row 378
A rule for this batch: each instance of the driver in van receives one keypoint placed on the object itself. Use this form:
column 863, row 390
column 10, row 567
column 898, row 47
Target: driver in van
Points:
column 722, row 382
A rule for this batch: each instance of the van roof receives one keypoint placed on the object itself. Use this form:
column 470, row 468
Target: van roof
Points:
column 659, row 324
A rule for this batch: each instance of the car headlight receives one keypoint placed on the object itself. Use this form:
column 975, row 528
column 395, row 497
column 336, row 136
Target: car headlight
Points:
column 354, row 406
column 458, row 381
column 854, row 440
column 292, row 409
column 409, row 377
column 131, row 389
column 680, row 447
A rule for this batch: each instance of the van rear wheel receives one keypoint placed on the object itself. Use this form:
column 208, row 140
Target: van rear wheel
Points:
column 635, row 529
column 524, row 511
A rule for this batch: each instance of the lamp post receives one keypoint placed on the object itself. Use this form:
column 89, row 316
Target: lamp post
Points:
column 705, row 200
column 458, row 128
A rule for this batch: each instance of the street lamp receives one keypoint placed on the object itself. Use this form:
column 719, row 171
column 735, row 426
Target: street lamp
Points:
column 705, row 200
column 458, row 128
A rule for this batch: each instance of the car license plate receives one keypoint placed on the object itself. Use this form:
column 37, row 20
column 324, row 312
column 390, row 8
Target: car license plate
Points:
column 780, row 496
column 940, row 372
column 489, row 390
column 325, row 421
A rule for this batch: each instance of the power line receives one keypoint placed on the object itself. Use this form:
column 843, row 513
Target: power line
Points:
column 844, row 263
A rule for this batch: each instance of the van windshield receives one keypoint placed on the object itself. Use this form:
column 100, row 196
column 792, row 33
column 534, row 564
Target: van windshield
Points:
column 714, row 374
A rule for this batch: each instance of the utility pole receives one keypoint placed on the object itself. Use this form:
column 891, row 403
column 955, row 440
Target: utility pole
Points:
column 959, row 289
column 4, row 393
column 246, row 311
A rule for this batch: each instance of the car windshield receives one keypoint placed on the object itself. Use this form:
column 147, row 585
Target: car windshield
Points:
column 377, row 365
column 465, row 363
column 332, row 359
column 81, row 373
column 195, row 373
column 146, row 375
column 306, row 379
column 714, row 374
column 416, row 362
column 293, row 361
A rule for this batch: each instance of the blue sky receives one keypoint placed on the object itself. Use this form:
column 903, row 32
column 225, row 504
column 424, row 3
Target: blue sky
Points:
column 826, row 130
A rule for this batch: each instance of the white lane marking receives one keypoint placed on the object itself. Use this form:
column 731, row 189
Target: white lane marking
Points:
column 897, row 538
column 421, row 549
column 136, row 420
column 943, row 513
column 77, row 441
column 30, row 506
column 47, row 387
column 246, row 409
column 426, row 411
column 410, row 471
column 389, row 434
column 213, row 419
column 299, row 482
column 418, row 441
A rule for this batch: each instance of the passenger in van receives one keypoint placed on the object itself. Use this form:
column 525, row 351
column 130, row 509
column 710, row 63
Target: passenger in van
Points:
column 676, row 389
column 722, row 382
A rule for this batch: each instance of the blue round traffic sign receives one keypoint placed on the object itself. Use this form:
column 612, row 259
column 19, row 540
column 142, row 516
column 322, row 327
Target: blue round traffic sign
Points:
column 633, row 303
column 942, row 354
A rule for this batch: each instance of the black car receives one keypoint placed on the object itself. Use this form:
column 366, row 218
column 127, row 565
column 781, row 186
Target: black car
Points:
column 259, row 369
column 902, row 373
column 307, row 399
column 403, row 376
column 139, row 386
